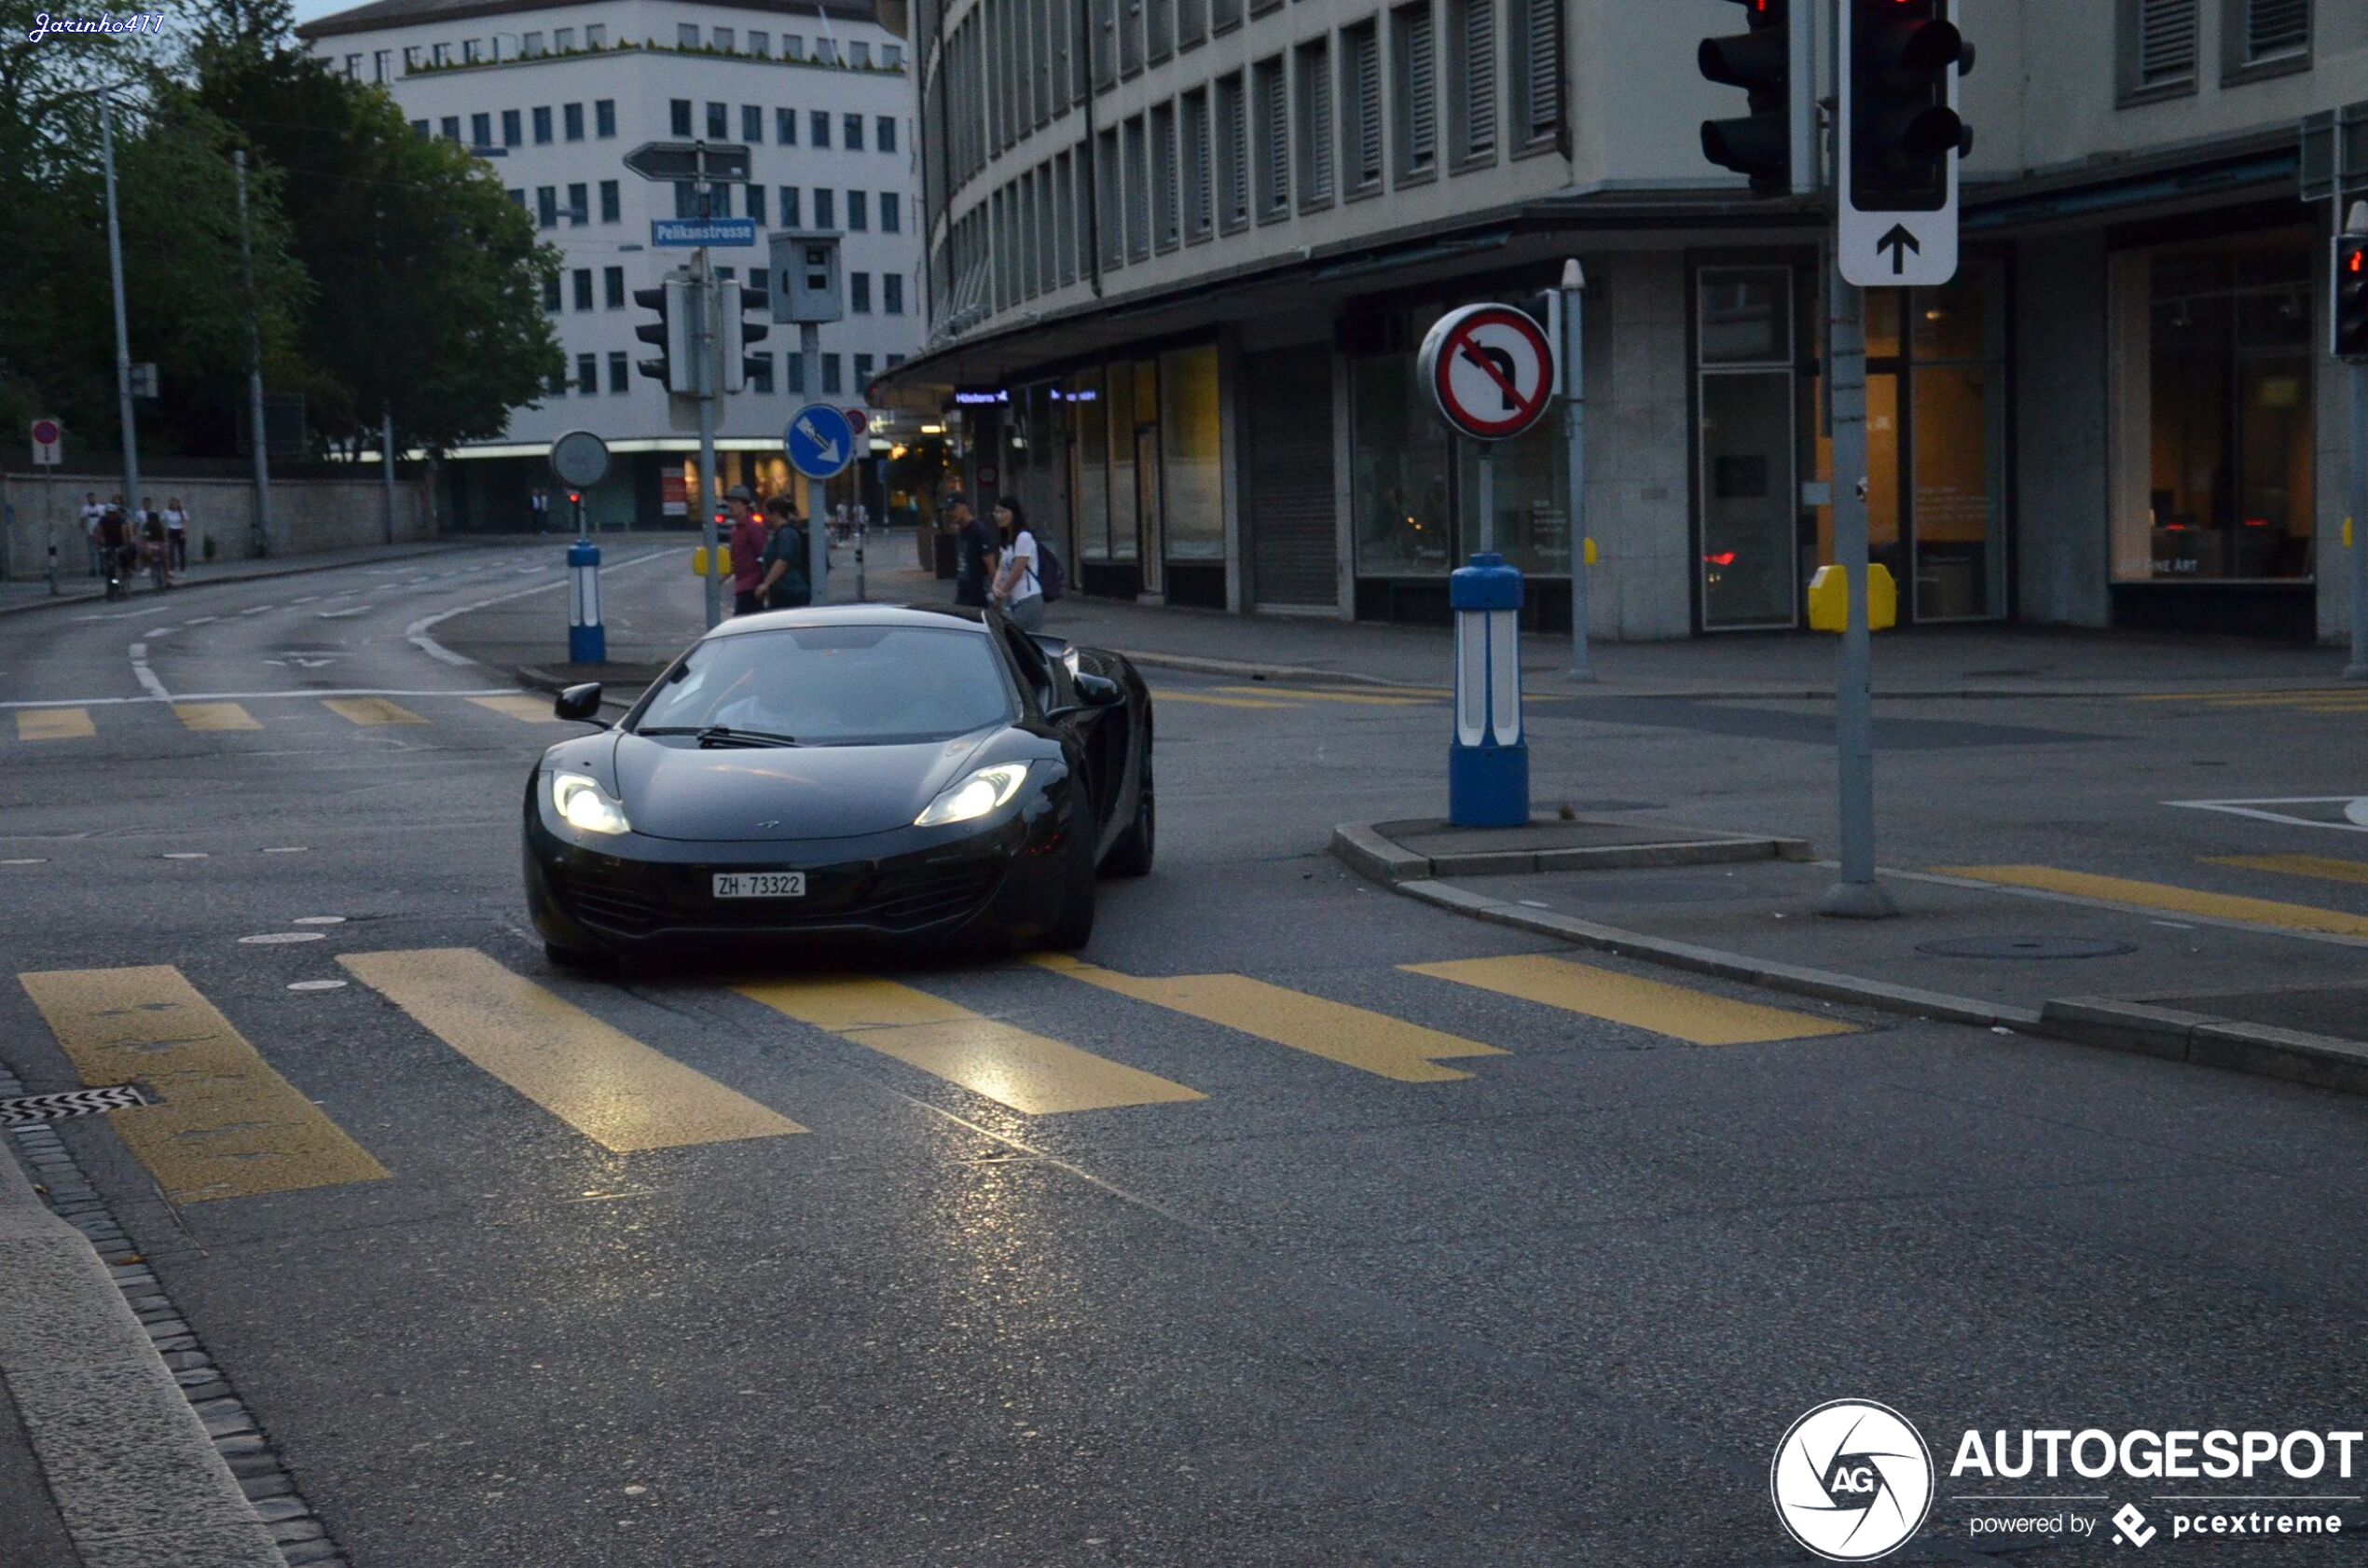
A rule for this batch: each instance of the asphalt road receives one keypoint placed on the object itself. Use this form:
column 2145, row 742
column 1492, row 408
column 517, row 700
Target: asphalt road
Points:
column 1383, row 1267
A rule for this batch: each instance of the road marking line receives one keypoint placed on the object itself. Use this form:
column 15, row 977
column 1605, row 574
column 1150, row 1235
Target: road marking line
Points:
column 1027, row 1072
column 371, row 710
column 417, row 632
column 55, row 724
column 533, row 710
column 2250, row 698
column 604, row 1083
column 212, row 716
column 2179, row 900
column 228, row 1125
column 146, row 677
column 1212, row 702
column 1372, row 1042
column 2324, row 868
column 257, row 609
column 1678, row 1011
column 344, row 615
column 1293, row 693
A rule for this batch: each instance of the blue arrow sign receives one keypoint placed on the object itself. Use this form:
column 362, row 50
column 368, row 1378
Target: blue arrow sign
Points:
column 702, row 232
column 819, row 441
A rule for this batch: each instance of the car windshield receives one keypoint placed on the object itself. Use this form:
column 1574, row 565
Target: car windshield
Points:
column 834, row 686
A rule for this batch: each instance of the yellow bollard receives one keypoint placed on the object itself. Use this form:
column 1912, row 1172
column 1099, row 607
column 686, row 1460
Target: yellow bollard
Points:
column 722, row 561
column 1591, row 553
column 1830, row 598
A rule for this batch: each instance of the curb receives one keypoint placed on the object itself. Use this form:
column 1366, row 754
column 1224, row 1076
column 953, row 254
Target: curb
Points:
column 396, row 553
column 1379, row 858
column 134, row 1473
column 2262, row 1049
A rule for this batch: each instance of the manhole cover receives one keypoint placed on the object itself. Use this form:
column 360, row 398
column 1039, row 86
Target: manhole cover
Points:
column 2026, row 948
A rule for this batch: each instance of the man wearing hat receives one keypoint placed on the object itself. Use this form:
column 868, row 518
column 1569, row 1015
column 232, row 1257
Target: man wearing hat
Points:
column 746, row 543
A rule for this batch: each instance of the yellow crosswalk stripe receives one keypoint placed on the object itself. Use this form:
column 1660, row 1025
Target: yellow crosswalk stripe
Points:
column 212, row 716
column 1202, row 700
column 599, row 1081
column 1372, row 1042
column 227, row 1126
column 1310, row 694
column 2177, row 901
column 54, row 723
column 1029, row 1073
column 2324, row 868
column 371, row 710
column 1676, row 1010
column 533, row 710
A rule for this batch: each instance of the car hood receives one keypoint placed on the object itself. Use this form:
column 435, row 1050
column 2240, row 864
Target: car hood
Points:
column 674, row 789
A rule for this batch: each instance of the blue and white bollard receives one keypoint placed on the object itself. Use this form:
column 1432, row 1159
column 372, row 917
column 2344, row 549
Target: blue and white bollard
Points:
column 1488, row 765
column 587, row 641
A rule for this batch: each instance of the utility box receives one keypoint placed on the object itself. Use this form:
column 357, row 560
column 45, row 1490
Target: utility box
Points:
column 806, row 277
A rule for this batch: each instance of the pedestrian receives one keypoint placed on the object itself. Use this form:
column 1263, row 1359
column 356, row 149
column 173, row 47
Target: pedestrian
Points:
column 746, row 542
column 1019, row 592
column 539, row 506
column 155, row 547
column 115, row 546
column 91, row 513
column 974, row 552
column 176, row 527
column 786, row 583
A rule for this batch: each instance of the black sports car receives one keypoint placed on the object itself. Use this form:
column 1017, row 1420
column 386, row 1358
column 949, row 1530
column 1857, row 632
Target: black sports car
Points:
column 850, row 771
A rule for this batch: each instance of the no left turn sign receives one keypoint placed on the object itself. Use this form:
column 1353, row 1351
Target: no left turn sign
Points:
column 1489, row 370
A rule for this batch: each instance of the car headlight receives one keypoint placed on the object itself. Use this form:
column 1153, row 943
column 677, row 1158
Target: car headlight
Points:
column 975, row 796
column 583, row 804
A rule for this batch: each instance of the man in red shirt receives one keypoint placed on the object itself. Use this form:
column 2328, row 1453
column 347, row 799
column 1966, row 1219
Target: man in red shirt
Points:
column 747, row 552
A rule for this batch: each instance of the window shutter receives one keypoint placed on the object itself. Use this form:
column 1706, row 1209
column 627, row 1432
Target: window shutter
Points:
column 1237, row 127
column 1542, row 43
column 2276, row 27
column 1480, row 77
column 1422, row 92
column 2166, row 41
column 1278, row 143
column 1365, row 75
column 1315, row 118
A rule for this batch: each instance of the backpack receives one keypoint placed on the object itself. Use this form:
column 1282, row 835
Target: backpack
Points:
column 1050, row 577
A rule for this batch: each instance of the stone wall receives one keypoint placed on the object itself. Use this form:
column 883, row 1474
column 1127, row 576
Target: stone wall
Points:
column 308, row 516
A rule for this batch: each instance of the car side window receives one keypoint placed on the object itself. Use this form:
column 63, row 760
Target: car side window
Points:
column 1034, row 668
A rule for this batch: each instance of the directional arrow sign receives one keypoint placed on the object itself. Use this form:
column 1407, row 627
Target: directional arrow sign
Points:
column 1899, row 242
column 817, row 442
column 679, row 161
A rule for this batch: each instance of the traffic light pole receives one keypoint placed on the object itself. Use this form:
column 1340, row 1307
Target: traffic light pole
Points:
column 122, row 333
column 707, row 383
column 1856, row 896
column 818, row 541
column 2355, row 524
column 1573, row 349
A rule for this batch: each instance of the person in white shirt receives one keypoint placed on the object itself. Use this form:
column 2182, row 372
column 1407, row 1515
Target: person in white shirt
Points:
column 176, row 529
column 92, row 514
column 1018, row 592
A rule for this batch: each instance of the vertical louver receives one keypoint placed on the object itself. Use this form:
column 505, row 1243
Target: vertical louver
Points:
column 2276, row 27
column 1420, row 112
column 1478, row 50
column 1542, row 69
column 2166, row 42
column 1363, row 66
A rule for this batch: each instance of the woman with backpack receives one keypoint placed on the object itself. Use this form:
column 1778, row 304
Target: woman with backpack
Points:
column 1019, row 585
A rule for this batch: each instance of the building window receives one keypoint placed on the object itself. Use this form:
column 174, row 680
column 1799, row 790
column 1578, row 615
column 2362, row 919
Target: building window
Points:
column 596, row 36
column 1537, row 71
column 1165, row 225
column 451, row 128
column 719, row 122
column 1198, row 221
column 551, row 302
column 546, row 206
column 517, row 198
column 588, row 374
column 1232, row 155
column 513, row 128
column 826, row 212
column 864, row 363
column 1191, row 22
column 789, row 218
column 756, row 202
column 891, row 56
column 564, row 39
column 619, row 381
column 818, row 127
column 542, row 126
column 583, row 278
column 686, row 35
column 480, row 131
column 833, row 381
column 604, row 117
column 1224, row 15
column 1748, row 443
column 785, row 126
column 792, row 47
column 2264, row 39
column 613, row 287
column 1313, row 129
column 381, row 64
column 572, row 118
column 851, row 132
column 1067, row 233
column 579, row 207
column 1109, row 212
column 472, row 51
column 891, row 294
column 1361, row 151
column 1138, row 192
column 760, row 43
column 793, row 374
column 611, row 206
column 1160, row 29
column 859, row 54
column 892, row 213
column 679, row 116
column 751, row 124
column 884, row 133
column 760, row 371
column 859, row 293
column 440, row 55
column 410, row 57
column 1273, row 106
column 726, row 40
column 530, row 45
column 859, row 212
column 1472, row 72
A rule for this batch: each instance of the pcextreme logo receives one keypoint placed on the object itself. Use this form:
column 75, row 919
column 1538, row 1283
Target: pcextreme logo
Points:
column 1852, row 1480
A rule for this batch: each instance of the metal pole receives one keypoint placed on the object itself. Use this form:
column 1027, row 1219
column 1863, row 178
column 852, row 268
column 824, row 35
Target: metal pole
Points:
column 255, row 370
column 1856, row 895
column 1803, row 107
column 386, row 462
column 1575, row 437
column 1487, row 498
column 703, row 383
column 818, row 541
column 122, row 332
column 2355, row 524
column 49, row 519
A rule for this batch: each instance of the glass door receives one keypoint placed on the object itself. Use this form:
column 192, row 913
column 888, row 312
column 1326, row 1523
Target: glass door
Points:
column 1147, row 512
column 1749, row 511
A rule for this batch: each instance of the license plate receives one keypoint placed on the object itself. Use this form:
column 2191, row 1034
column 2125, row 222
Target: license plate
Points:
column 760, row 884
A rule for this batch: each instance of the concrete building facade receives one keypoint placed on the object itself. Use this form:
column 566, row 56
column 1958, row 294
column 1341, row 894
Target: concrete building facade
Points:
column 1180, row 253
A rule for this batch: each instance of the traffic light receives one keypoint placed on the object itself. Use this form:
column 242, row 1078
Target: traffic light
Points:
column 1760, row 62
column 1902, row 127
column 2350, row 302
column 740, row 331
column 670, row 334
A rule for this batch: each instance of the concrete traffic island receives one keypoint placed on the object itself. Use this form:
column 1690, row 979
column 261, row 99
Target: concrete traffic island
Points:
column 1426, row 847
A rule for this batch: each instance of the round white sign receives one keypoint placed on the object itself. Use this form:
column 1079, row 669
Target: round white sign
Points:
column 1489, row 371
column 580, row 458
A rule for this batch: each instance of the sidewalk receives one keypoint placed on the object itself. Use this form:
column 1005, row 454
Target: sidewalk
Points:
column 74, row 587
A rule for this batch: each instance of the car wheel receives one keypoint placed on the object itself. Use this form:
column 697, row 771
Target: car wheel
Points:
column 1131, row 856
column 1075, row 928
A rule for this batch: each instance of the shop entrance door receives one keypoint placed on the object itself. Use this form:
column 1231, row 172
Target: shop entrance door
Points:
column 1148, row 511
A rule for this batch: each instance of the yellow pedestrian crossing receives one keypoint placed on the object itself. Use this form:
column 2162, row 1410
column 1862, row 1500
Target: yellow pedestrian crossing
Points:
column 1678, row 1011
column 596, row 1079
column 228, row 1125
column 1029, row 1073
column 371, row 711
column 1372, row 1042
column 2168, row 899
column 1324, row 694
column 214, row 716
column 2315, row 699
column 54, row 723
column 2323, row 867
column 1204, row 700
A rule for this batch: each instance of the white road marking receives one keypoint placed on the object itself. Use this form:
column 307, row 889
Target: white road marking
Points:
column 344, row 615
column 417, row 632
column 204, row 620
column 25, row 861
column 184, row 855
column 257, row 610
column 318, row 920
column 317, row 985
column 288, row 850
column 280, row 939
column 146, row 677
column 2355, row 810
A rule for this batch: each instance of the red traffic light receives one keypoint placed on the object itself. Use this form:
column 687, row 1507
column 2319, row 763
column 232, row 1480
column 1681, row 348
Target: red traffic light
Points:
column 574, row 496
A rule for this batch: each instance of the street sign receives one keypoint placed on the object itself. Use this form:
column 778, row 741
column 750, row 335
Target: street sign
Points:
column 48, row 443
column 580, row 458
column 858, row 420
column 727, row 162
column 1489, row 371
column 1899, row 143
column 819, row 441
column 144, row 379
column 692, row 232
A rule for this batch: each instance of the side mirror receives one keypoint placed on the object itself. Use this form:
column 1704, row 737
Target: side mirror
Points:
column 1099, row 691
column 580, row 703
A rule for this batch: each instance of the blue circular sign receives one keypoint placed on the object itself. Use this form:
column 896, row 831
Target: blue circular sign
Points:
column 819, row 441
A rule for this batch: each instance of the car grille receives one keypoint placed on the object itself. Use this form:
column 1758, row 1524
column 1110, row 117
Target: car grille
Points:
column 903, row 899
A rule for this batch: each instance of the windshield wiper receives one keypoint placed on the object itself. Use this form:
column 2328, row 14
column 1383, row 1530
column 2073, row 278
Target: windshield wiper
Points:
column 724, row 735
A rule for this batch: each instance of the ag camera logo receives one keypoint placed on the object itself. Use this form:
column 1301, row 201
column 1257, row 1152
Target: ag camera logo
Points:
column 1852, row 1481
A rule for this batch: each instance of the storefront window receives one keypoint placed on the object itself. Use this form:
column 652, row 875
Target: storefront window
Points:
column 1532, row 495
column 1120, row 428
column 1399, row 473
column 1090, row 455
column 1193, row 455
column 1749, row 507
column 2214, row 475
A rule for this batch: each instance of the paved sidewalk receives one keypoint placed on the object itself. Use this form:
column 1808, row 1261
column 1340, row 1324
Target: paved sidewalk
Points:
column 33, row 593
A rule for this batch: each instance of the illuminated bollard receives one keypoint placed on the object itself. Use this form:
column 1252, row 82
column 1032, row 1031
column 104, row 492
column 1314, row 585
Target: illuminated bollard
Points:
column 587, row 642
column 1488, row 765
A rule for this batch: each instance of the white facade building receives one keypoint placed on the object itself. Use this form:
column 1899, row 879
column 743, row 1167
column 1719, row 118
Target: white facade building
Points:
column 555, row 95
